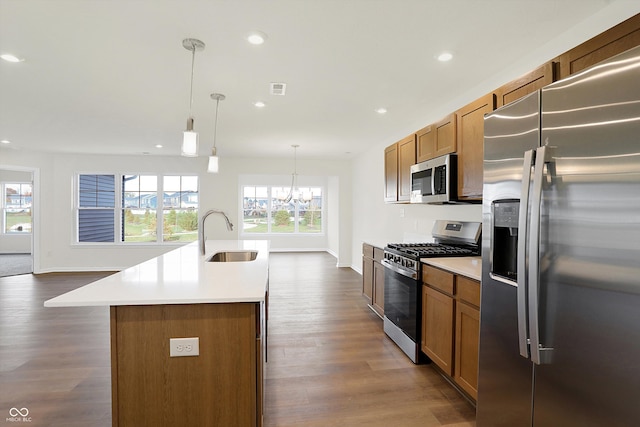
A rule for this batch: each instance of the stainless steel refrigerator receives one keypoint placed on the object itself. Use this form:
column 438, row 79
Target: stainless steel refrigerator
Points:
column 560, row 307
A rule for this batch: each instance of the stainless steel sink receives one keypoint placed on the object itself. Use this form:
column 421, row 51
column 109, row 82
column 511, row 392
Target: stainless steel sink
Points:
column 233, row 256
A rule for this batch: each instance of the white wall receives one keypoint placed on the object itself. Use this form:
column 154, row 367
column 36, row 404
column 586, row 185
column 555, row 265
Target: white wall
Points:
column 15, row 243
column 335, row 175
column 286, row 242
column 378, row 223
column 54, row 238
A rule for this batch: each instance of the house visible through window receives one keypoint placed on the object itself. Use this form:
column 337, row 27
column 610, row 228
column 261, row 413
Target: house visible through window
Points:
column 266, row 210
column 16, row 207
column 137, row 208
column 180, row 208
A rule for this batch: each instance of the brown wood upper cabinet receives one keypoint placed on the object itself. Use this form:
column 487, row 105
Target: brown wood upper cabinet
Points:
column 529, row 83
column 616, row 40
column 406, row 158
column 391, row 173
column 437, row 139
column 470, row 144
column 398, row 159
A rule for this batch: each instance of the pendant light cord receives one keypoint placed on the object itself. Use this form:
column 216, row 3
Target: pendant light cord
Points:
column 294, row 179
column 215, row 128
column 193, row 60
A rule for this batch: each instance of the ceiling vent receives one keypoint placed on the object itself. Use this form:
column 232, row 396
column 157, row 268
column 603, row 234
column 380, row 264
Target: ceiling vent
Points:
column 278, row 88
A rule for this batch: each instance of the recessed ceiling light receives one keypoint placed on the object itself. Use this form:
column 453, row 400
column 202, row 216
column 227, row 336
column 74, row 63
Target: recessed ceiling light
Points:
column 381, row 110
column 158, row 145
column 5, row 141
column 259, row 104
column 445, row 56
column 11, row 58
column 257, row 37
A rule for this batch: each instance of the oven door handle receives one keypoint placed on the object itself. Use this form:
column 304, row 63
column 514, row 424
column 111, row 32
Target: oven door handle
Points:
column 403, row 271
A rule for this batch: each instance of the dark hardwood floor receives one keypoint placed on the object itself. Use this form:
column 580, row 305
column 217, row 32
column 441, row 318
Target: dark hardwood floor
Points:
column 53, row 361
column 329, row 362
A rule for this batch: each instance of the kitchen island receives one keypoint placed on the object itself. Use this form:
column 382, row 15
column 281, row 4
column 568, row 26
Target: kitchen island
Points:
column 221, row 306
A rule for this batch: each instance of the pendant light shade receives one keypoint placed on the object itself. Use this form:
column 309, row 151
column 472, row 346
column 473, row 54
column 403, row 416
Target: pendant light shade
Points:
column 190, row 141
column 213, row 163
column 190, row 137
column 190, row 144
column 213, row 158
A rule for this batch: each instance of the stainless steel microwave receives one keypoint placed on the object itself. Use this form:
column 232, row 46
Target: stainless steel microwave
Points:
column 435, row 180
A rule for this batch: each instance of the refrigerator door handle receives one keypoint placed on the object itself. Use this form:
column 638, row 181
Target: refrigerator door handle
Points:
column 539, row 355
column 522, row 274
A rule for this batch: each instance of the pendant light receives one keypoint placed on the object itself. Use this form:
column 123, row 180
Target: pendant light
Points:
column 213, row 158
column 190, row 138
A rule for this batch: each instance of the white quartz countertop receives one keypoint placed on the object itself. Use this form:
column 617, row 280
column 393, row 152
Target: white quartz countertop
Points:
column 466, row 266
column 181, row 276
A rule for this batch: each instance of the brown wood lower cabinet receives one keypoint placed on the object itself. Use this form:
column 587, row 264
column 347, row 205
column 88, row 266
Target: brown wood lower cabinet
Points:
column 373, row 277
column 466, row 360
column 437, row 328
column 222, row 386
column 451, row 325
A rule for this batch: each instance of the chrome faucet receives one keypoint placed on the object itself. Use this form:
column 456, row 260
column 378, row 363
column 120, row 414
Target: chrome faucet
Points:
column 201, row 228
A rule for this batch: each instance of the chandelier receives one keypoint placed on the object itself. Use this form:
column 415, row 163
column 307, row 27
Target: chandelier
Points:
column 295, row 194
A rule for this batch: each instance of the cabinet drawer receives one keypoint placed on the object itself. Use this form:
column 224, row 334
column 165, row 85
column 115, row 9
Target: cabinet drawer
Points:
column 378, row 254
column 438, row 279
column 367, row 250
column 468, row 290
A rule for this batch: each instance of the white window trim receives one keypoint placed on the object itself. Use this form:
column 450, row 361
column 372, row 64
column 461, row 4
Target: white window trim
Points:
column 295, row 234
column 118, row 209
column 3, row 207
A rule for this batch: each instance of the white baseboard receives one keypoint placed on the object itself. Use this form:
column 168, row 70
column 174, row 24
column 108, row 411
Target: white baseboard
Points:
column 76, row 270
column 297, row 249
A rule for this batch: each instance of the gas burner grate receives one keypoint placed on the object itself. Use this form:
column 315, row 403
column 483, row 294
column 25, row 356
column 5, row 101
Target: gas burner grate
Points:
column 424, row 250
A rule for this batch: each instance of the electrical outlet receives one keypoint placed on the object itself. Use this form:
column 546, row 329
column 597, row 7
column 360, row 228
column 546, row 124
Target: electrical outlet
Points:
column 179, row 347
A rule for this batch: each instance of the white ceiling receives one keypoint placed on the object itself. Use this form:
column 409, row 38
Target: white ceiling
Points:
column 113, row 77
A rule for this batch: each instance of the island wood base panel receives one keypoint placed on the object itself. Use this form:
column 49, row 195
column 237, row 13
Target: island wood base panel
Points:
column 218, row 387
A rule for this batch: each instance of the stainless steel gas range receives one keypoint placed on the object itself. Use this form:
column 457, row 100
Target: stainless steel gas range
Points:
column 403, row 278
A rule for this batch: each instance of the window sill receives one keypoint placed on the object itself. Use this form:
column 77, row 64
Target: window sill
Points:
column 128, row 244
